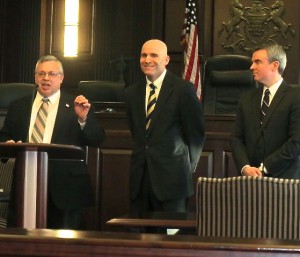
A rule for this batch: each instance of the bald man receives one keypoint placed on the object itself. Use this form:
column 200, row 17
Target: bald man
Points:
column 168, row 146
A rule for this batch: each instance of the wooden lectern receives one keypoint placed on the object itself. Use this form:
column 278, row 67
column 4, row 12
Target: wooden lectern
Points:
column 31, row 177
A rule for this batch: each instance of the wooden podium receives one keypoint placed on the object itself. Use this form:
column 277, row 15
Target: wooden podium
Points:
column 31, row 177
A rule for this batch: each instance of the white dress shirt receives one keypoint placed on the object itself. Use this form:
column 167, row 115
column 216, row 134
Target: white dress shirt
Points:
column 52, row 112
column 157, row 83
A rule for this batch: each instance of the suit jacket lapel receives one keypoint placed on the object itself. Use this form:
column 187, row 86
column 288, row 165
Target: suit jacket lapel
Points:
column 276, row 100
column 140, row 104
column 256, row 103
column 257, row 106
column 64, row 107
column 25, row 117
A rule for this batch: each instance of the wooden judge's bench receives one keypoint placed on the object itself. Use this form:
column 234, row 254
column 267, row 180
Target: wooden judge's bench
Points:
column 109, row 165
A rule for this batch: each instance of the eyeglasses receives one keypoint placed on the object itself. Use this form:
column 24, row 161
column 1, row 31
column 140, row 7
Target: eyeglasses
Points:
column 50, row 74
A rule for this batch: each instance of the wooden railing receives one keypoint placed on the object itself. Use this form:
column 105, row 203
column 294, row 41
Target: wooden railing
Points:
column 67, row 243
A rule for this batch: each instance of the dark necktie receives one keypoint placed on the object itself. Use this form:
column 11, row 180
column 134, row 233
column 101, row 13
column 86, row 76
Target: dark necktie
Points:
column 265, row 105
column 150, row 105
column 40, row 123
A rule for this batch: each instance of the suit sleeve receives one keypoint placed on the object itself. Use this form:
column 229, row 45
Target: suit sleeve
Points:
column 94, row 134
column 238, row 143
column 193, row 123
column 281, row 158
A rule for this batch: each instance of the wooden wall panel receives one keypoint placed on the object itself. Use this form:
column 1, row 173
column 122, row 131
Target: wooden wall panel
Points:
column 114, row 184
column 174, row 17
column 115, row 154
column 56, row 28
column 204, row 169
column 86, row 42
column 120, row 28
column 229, row 166
column 19, row 46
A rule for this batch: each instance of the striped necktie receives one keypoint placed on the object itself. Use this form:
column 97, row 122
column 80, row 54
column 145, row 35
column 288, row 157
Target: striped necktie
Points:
column 150, row 105
column 265, row 105
column 40, row 123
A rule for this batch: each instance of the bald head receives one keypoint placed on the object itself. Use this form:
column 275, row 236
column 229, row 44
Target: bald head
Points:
column 154, row 58
column 156, row 44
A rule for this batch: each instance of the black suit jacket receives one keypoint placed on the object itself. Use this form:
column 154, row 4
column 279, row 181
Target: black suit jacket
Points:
column 69, row 183
column 172, row 147
column 276, row 142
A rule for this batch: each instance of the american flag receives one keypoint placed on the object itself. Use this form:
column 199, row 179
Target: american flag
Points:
column 189, row 39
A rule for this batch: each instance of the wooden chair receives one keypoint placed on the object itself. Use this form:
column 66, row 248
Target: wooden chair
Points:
column 248, row 207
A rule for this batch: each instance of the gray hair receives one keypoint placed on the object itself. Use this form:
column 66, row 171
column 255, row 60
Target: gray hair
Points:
column 49, row 58
column 275, row 52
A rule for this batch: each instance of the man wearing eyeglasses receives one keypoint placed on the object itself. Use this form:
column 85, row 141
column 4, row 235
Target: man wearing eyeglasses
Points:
column 68, row 120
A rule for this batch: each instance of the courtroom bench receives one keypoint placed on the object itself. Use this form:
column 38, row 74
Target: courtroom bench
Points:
column 67, row 243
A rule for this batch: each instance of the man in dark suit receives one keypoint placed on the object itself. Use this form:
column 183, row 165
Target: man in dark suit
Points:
column 69, row 121
column 166, row 153
column 267, row 141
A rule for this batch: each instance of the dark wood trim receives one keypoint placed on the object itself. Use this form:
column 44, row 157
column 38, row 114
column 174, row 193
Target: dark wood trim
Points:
column 156, row 219
column 67, row 243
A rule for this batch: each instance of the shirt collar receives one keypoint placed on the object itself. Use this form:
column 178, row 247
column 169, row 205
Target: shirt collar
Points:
column 158, row 82
column 274, row 87
column 52, row 99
